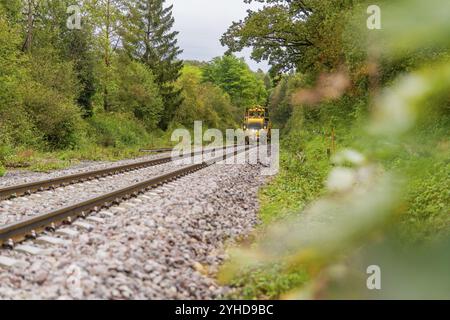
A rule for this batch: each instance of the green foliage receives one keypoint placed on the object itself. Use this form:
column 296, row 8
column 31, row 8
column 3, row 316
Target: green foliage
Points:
column 58, row 121
column 422, row 158
column 383, row 196
column 50, row 30
column 57, row 83
column 267, row 283
column 35, row 161
column 16, row 127
column 204, row 101
column 280, row 104
column 136, row 92
column 235, row 77
column 49, row 96
column 2, row 171
column 148, row 36
column 53, row 79
column 78, row 48
column 428, row 200
column 298, row 183
column 302, row 35
column 12, row 9
column 117, row 130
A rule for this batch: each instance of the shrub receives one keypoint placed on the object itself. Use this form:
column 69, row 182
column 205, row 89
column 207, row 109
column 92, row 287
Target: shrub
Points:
column 16, row 128
column 49, row 96
column 117, row 130
column 204, row 101
column 57, row 119
column 15, row 125
column 136, row 92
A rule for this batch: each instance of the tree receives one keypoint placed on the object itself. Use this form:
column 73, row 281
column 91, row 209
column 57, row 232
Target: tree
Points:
column 235, row 77
column 280, row 102
column 79, row 50
column 15, row 126
column 204, row 101
column 302, row 35
column 31, row 8
column 107, row 17
column 148, row 37
column 44, row 29
column 12, row 10
column 136, row 91
column 74, row 45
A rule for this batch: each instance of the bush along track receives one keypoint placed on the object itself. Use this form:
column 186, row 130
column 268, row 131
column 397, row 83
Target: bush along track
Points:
column 165, row 243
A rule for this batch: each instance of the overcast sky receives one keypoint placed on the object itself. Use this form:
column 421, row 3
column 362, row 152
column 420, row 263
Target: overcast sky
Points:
column 201, row 23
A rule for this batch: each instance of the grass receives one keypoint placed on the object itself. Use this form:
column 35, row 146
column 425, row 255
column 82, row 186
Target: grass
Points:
column 267, row 283
column 428, row 203
column 303, row 168
column 422, row 160
column 299, row 182
column 39, row 161
column 427, row 196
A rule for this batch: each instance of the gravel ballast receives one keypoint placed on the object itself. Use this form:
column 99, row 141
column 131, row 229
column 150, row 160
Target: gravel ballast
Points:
column 39, row 203
column 165, row 244
column 42, row 202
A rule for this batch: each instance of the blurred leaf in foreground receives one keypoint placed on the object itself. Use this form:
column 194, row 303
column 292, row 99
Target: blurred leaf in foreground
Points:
column 405, row 273
column 329, row 226
column 409, row 25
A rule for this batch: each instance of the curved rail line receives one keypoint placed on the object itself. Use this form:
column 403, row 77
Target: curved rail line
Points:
column 41, row 185
column 29, row 228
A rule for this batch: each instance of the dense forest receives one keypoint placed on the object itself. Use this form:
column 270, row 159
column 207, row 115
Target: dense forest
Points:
column 98, row 79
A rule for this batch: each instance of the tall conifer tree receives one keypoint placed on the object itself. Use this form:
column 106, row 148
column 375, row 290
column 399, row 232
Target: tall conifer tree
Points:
column 148, row 37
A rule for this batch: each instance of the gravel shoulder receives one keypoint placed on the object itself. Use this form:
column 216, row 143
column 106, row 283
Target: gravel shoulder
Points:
column 165, row 244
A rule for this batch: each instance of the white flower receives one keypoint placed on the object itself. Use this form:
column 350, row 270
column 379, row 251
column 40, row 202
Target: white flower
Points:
column 341, row 179
column 349, row 155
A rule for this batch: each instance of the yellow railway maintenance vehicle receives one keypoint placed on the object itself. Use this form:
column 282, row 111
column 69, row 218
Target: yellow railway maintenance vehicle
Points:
column 257, row 124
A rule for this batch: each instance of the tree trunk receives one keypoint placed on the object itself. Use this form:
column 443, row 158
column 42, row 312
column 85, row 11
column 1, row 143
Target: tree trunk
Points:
column 30, row 25
column 106, row 105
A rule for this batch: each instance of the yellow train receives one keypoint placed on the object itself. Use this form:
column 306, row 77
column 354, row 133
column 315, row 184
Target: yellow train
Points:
column 257, row 124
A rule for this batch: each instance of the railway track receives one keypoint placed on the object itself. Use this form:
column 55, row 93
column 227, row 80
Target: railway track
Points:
column 37, row 186
column 161, row 150
column 30, row 228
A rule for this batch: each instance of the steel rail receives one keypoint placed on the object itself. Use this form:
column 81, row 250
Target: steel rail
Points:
column 156, row 150
column 29, row 228
column 171, row 149
column 36, row 186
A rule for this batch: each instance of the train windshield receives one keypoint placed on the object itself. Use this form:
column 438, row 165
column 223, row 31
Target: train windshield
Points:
column 255, row 126
column 256, row 114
